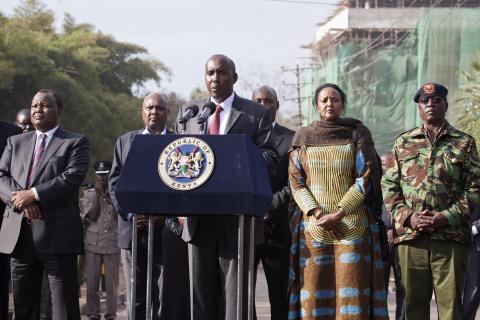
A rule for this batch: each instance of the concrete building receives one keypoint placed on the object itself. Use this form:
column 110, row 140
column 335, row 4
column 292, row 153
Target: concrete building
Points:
column 380, row 51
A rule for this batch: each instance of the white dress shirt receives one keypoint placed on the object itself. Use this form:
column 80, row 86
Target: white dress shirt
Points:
column 146, row 131
column 49, row 134
column 225, row 114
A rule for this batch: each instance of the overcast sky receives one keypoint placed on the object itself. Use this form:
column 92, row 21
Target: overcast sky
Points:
column 260, row 36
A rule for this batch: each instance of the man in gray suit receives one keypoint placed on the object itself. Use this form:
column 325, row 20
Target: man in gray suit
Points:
column 154, row 113
column 213, row 240
column 40, row 173
column 24, row 122
column 6, row 130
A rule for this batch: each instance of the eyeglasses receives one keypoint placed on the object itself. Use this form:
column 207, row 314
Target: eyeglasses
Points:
column 435, row 100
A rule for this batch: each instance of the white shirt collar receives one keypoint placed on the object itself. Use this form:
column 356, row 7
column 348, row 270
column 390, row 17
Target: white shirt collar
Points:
column 274, row 123
column 49, row 133
column 225, row 104
column 146, row 131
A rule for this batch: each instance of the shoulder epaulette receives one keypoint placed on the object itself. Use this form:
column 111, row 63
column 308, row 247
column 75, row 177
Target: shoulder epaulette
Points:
column 405, row 132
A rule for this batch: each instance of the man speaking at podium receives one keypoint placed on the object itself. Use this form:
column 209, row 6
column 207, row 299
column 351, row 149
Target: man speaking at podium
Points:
column 213, row 240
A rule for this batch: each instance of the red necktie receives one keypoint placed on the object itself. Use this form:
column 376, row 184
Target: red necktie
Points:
column 38, row 156
column 215, row 125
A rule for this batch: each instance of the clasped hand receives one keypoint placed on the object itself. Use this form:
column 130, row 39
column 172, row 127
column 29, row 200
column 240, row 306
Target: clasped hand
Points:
column 427, row 221
column 329, row 221
column 24, row 200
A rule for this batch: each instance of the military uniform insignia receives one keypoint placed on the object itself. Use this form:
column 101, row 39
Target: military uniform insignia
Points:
column 429, row 88
column 186, row 163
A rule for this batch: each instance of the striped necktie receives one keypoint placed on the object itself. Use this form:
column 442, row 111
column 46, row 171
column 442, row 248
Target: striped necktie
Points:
column 36, row 159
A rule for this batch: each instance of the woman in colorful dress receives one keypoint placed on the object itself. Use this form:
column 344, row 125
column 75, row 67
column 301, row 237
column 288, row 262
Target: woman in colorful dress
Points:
column 336, row 266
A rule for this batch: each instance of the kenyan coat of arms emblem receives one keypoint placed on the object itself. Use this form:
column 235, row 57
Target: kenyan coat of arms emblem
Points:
column 186, row 163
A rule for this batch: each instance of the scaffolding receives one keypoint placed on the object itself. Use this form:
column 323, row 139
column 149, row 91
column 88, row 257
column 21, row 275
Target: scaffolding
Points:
column 380, row 70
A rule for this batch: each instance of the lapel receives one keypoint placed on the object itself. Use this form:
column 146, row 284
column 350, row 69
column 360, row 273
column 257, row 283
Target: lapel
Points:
column 55, row 143
column 134, row 135
column 278, row 135
column 30, row 138
column 235, row 113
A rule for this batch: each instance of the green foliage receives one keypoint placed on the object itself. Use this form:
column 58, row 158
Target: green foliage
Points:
column 468, row 117
column 95, row 75
column 174, row 103
column 198, row 94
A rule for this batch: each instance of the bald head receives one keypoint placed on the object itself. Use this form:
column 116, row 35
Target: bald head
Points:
column 220, row 76
column 267, row 97
column 24, row 120
column 155, row 112
column 224, row 59
column 155, row 98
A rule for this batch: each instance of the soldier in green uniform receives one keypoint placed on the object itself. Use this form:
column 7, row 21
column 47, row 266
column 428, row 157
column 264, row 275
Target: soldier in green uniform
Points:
column 430, row 191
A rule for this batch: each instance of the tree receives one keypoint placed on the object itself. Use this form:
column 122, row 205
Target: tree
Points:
column 34, row 15
column 468, row 118
column 198, row 94
column 174, row 102
column 96, row 76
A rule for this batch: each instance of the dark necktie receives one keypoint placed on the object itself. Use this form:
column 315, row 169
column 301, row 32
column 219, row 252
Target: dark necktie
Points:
column 38, row 156
column 215, row 125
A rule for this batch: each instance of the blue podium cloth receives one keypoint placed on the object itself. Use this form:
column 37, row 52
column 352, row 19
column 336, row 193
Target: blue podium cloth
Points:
column 238, row 184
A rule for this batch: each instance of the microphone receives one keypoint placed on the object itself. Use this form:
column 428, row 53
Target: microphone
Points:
column 189, row 113
column 207, row 111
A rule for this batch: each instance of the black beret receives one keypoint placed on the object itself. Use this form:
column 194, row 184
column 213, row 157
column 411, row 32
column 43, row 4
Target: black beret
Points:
column 431, row 90
column 102, row 167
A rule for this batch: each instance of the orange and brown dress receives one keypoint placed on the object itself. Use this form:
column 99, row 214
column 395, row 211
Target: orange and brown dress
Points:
column 341, row 278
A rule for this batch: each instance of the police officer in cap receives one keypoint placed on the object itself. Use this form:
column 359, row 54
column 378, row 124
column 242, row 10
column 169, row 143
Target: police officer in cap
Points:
column 101, row 244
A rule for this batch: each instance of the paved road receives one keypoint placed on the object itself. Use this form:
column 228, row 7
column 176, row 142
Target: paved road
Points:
column 263, row 307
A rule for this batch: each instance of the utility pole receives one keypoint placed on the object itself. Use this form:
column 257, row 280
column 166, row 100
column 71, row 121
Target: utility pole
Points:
column 297, row 71
column 299, row 96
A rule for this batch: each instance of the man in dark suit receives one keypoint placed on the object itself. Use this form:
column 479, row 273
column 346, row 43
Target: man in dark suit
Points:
column 154, row 115
column 6, row 130
column 213, row 240
column 40, row 173
column 275, row 252
column 24, row 121
column 471, row 292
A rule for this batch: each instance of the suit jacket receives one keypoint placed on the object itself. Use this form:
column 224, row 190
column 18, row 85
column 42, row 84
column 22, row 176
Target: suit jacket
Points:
column 475, row 219
column 122, row 147
column 6, row 130
column 254, row 120
column 278, row 213
column 59, row 175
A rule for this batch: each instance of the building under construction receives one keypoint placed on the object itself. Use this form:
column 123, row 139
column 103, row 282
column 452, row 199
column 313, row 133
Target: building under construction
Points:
column 381, row 51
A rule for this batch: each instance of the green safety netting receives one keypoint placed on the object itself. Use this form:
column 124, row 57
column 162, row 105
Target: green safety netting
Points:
column 381, row 81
